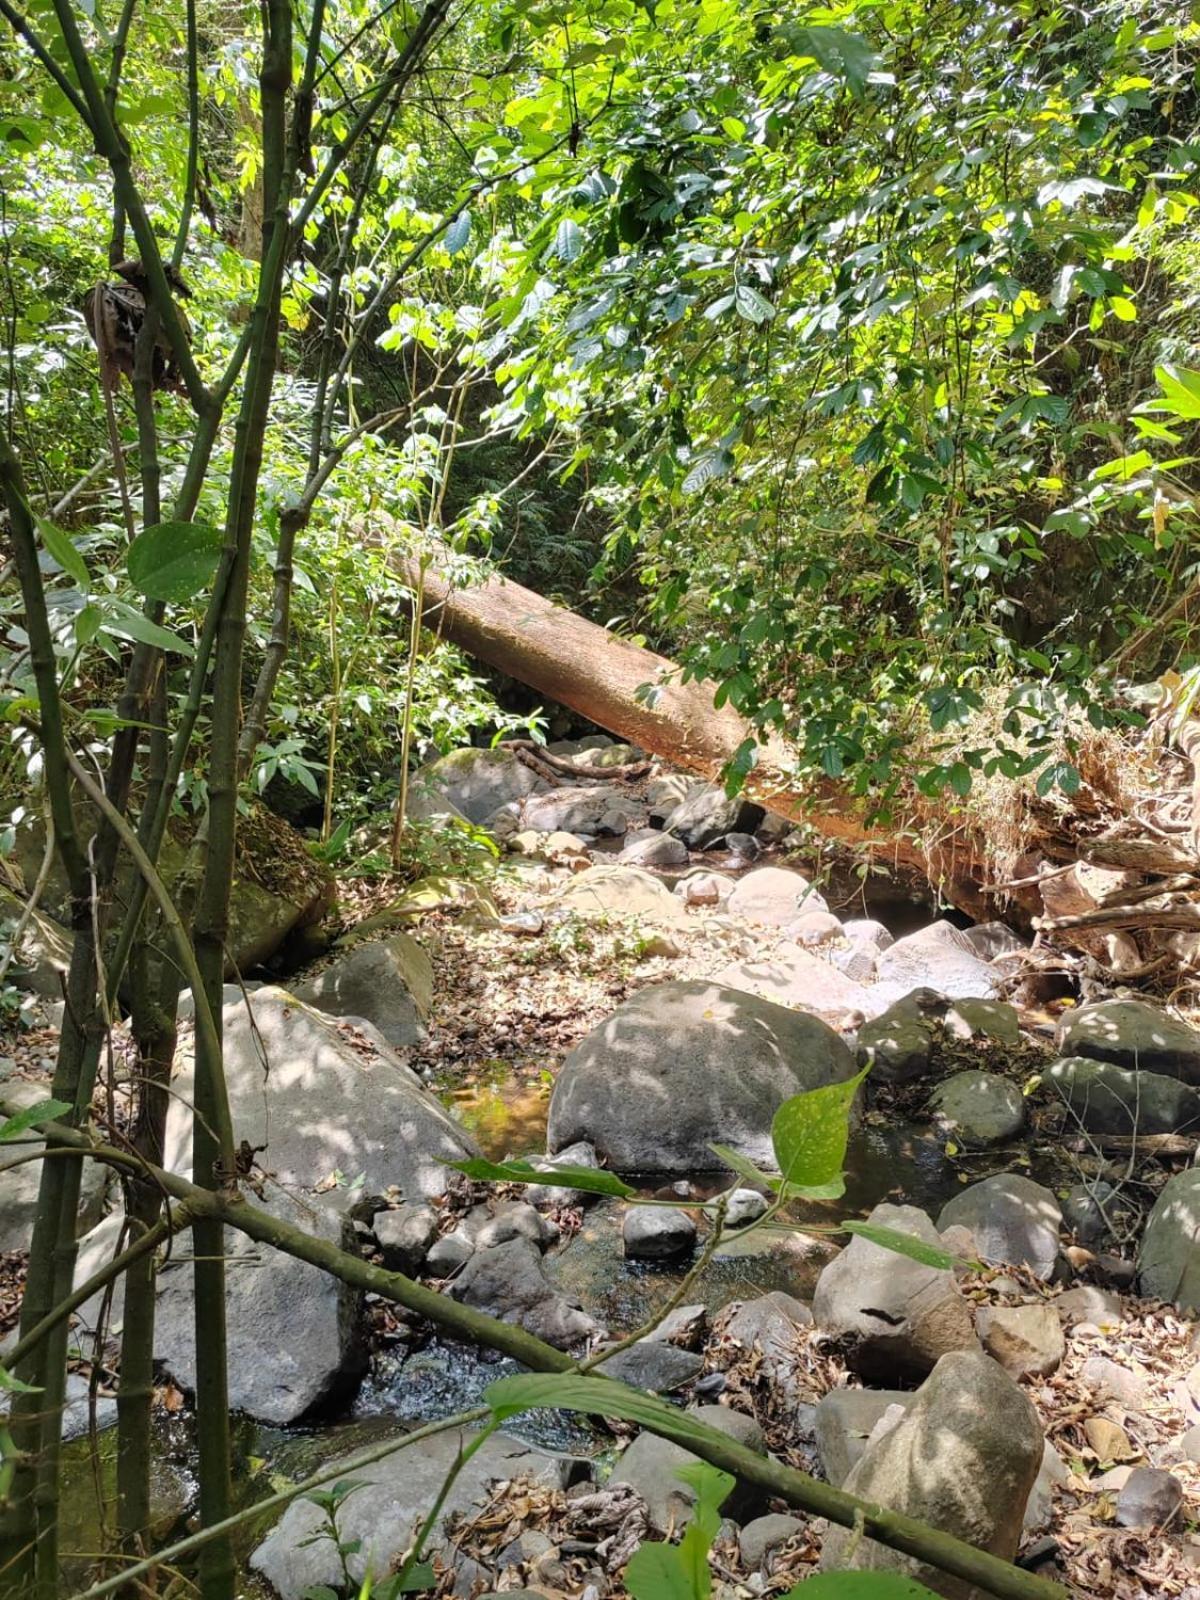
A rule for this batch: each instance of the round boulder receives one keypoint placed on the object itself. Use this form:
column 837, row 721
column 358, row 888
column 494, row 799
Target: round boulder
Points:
column 683, row 1066
column 978, row 1107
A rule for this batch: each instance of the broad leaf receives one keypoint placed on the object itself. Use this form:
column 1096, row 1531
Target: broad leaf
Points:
column 599, row 1397
column 32, row 1117
column 744, row 1167
column 174, row 560
column 680, row 1572
column 127, row 622
column 810, row 1132
column 59, row 545
column 590, row 1179
column 15, row 1385
column 842, row 54
column 902, row 1243
column 458, row 234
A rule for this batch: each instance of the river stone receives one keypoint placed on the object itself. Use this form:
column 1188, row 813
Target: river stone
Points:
column 792, row 976
column 987, row 1019
column 621, row 891
column 659, row 850
column 743, row 1207
column 843, row 1422
column 992, row 939
column 396, row 1494
column 474, row 783
column 405, row 1236
column 867, row 931
column 770, row 1326
column 1027, row 1341
column 650, row 1464
column 890, row 1316
column 1135, row 1034
column 681, row 1066
column 546, row 1196
column 1106, row 1098
column 319, row 1105
column 709, row 814
column 447, row 1254
column 576, row 808
column 657, row 1233
column 41, row 963
column 963, row 1460
column 758, row 1538
column 703, row 888
column 940, row 957
column 1101, row 1307
column 387, row 981
column 897, row 1044
column 509, row 1282
column 774, row 896
column 1151, row 1498
column 1169, row 1261
column 979, row 1108
column 654, row 1365
column 76, row 1414
column 664, row 794
column 1012, row 1219
column 19, row 1193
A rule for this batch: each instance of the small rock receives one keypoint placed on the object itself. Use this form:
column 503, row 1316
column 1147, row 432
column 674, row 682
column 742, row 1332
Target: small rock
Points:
column 508, row 1281
column 865, row 930
column 546, row 1196
column 404, row 1236
column 657, row 1233
column 1053, row 1474
column 980, row 1108
column 744, row 845
column 745, row 1206
column 527, row 923
column 1107, row 1377
column 1013, row 1219
column 898, row 1044
column 758, row 1538
column 1084, row 1208
column 1189, row 1444
column 650, row 1465
column 986, row 1019
column 513, row 1219
column 653, row 1365
column 770, row 1326
column 448, row 1254
column 686, row 1327
column 661, row 850
column 1027, row 1341
column 659, row 946
column 1151, row 1498
column 774, row 896
column 815, row 928
column 704, row 889
column 613, row 825
column 1134, row 1034
column 1089, row 1304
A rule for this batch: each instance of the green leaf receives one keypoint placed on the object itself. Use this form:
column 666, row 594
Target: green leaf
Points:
column 15, row 1385
column 591, row 1179
column 458, row 234
column 680, row 1572
column 1181, row 391
column 750, row 304
column 842, row 54
column 127, row 622
column 903, row 1244
column 810, row 1131
column 174, row 560
column 33, row 1117
column 60, row 546
column 568, row 240
column 599, row 1397
column 860, row 1586
column 744, row 1167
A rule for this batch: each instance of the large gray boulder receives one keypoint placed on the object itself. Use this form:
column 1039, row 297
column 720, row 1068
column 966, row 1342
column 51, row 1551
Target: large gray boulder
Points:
column 707, row 815
column 507, row 1281
column 575, row 808
column 294, row 1341
column 332, row 1118
column 40, row 965
column 979, row 1108
column 1105, row 1098
column 962, row 1459
column 394, row 1497
column 659, row 850
column 682, row 1066
column 843, row 1422
column 624, row 891
column 939, row 957
column 1169, row 1262
column 774, row 896
column 1012, row 1219
column 1134, row 1034
column 473, row 783
column 19, row 1186
column 897, row 1044
column 794, row 977
column 892, row 1317
column 650, row 1466
column 387, row 982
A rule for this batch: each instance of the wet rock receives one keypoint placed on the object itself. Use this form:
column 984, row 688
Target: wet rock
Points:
column 1105, row 1098
column 1100, row 1307
column 1027, row 1341
column 774, row 896
column 709, row 814
column 897, row 1044
column 845, row 1420
column 759, row 1538
column 650, row 1465
column 983, row 1019
column 376, row 1118
column 1169, row 1260
column 657, row 1233
column 682, row 1066
column 744, row 1207
column 1151, row 1498
column 387, row 981
column 624, row 892
column 794, row 977
column 660, row 850
column 963, row 1460
column 1013, row 1220
column 938, row 957
column 508, row 1282
column 383, row 1514
column 979, row 1108
column 651, row 1364
column 404, row 1236
column 891, row 1317
column 447, row 1254
column 473, row 783
column 1133, row 1034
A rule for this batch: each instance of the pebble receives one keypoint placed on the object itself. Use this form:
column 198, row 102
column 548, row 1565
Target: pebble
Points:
column 657, row 1233
column 1151, row 1498
column 758, row 1538
column 745, row 1206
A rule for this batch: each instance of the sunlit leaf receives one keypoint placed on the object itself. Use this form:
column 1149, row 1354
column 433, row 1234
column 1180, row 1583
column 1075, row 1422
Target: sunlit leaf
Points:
column 810, row 1131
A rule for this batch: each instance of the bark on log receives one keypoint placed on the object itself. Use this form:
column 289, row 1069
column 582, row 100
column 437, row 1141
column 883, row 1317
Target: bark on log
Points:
column 642, row 697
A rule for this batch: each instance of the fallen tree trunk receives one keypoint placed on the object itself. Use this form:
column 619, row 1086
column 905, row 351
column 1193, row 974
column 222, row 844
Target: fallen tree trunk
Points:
column 642, row 697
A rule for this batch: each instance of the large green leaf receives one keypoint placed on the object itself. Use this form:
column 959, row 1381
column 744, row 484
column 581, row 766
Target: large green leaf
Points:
column 598, row 1397
column 59, row 545
column 842, row 54
column 860, row 1586
column 127, row 622
column 591, row 1179
column 32, row 1117
column 903, row 1244
column 680, row 1572
column 810, row 1132
column 174, row 560
column 744, row 1167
